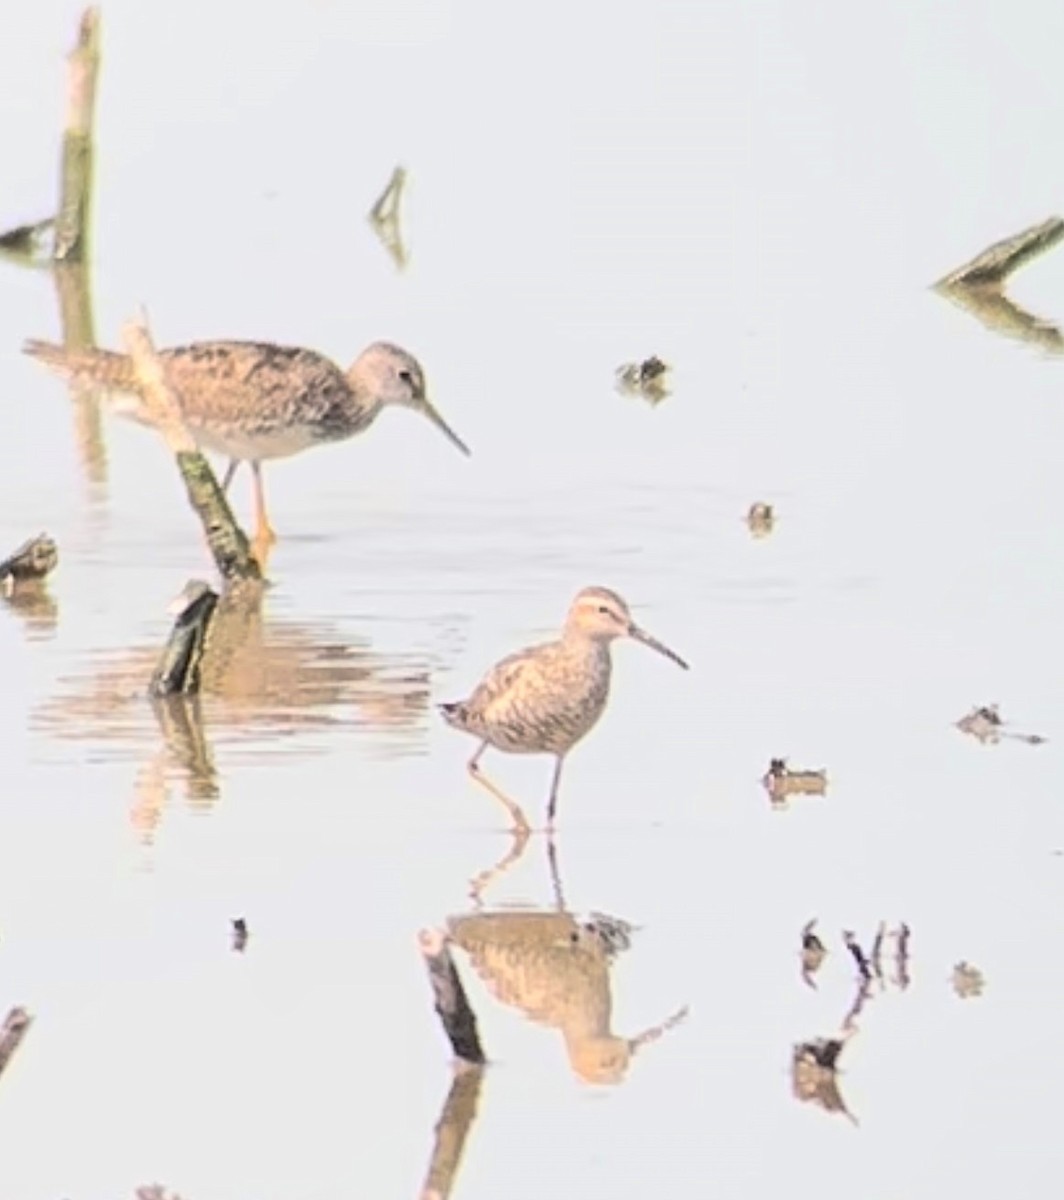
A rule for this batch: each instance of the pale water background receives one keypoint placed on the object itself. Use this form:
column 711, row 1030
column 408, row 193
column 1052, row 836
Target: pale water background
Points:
column 758, row 193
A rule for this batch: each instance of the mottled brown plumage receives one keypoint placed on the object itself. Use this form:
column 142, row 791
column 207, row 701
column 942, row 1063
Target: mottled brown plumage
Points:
column 544, row 699
column 253, row 401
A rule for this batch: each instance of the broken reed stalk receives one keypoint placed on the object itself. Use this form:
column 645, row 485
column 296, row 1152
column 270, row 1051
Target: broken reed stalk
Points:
column 75, row 196
column 457, row 1017
column 228, row 543
column 997, row 262
column 14, row 1029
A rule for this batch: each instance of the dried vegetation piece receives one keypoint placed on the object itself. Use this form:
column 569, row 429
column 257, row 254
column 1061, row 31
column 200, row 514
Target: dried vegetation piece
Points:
column 648, row 379
column 967, row 980
column 384, row 217
column 781, row 781
column 986, row 725
column 760, row 519
column 813, row 952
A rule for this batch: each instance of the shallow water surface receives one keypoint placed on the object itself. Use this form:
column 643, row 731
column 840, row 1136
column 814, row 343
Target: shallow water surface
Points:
column 762, row 202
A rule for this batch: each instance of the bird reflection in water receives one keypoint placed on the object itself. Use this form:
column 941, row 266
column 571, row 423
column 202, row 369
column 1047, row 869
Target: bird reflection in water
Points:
column 555, row 968
column 36, row 607
column 259, row 679
column 551, row 965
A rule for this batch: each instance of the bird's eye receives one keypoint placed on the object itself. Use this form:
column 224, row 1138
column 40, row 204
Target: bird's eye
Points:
column 604, row 610
column 406, row 377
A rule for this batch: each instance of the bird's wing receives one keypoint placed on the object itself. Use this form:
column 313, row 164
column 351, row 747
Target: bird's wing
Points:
column 233, row 381
column 510, row 679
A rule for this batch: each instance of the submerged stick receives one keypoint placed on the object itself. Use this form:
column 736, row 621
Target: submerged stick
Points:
column 14, row 1029
column 457, row 1017
column 227, row 542
column 75, row 196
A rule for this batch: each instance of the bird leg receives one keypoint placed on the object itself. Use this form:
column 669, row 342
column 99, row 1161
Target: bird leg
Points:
column 230, row 471
column 552, row 804
column 264, row 533
column 520, row 821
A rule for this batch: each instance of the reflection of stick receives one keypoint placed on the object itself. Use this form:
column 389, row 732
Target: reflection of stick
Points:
column 14, row 1029
column 73, row 288
column 452, row 1129
column 877, row 950
column 863, row 991
column 452, row 1005
column 227, row 541
column 75, row 199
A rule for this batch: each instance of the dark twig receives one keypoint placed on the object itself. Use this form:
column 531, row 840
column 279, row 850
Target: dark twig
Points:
column 240, row 934
column 901, row 956
column 859, row 958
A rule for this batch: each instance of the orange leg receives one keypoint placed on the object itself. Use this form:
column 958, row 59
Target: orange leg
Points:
column 264, row 533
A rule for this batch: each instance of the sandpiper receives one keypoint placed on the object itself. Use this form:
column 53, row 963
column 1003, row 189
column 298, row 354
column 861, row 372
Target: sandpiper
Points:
column 544, row 699
column 252, row 401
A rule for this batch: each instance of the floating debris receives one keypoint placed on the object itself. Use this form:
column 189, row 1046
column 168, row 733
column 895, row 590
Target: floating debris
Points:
column 813, row 952
column 986, row 725
column 967, row 980
column 240, row 934
column 761, row 519
column 814, row 1074
column 384, row 217
column 979, row 286
column 647, row 379
column 780, row 782
column 29, row 565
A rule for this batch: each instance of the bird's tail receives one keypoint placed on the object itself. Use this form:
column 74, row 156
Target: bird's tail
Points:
column 88, row 366
column 456, row 714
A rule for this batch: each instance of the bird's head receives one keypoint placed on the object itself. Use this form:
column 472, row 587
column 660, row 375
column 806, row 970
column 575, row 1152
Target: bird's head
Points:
column 390, row 375
column 602, row 615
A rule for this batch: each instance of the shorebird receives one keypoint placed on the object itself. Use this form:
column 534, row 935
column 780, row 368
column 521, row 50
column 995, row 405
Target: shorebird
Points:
column 544, row 699
column 252, row 401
